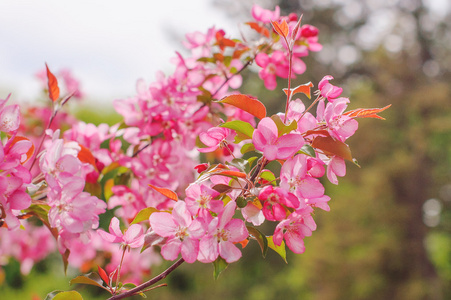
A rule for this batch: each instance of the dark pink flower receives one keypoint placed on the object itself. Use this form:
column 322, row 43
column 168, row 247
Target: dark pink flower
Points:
column 328, row 90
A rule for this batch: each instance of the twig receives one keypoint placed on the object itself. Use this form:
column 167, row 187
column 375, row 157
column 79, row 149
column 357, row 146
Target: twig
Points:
column 154, row 280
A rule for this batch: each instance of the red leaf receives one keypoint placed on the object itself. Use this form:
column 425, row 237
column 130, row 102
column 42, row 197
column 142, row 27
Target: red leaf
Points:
column 281, row 29
column 331, row 146
column 223, row 42
column 296, row 29
column 86, row 156
column 54, row 90
column 366, row 112
column 262, row 30
column 246, row 103
column 165, row 192
column 303, row 88
column 231, row 173
column 103, row 274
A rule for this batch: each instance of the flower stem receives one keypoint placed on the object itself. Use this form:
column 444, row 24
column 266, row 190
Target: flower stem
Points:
column 152, row 281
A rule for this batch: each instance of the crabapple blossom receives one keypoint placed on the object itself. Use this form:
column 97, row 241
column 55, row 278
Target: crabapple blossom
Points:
column 265, row 15
column 133, row 237
column 216, row 137
column 182, row 232
column 223, row 231
column 266, row 139
column 294, row 229
column 274, row 200
column 328, row 90
column 200, row 201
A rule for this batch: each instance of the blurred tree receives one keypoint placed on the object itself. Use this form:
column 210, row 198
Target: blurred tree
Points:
column 374, row 244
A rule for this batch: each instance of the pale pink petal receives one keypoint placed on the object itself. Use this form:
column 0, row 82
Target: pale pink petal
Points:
column 229, row 251
column 270, row 152
column 236, row 230
column 115, row 228
column 171, row 250
column 109, row 237
column 190, row 250
column 134, row 236
column 253, row 214
column 208, row 249
column 163, row 224
column 181, row 214
column 295, row 242
column 227, row 214
column 311, row 188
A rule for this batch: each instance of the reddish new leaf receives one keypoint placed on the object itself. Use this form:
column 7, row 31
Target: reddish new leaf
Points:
column 303, row 88
column 331, row 146
column 366, row 112
column 86, row 156
column 246, row 103
column 54, row 90
column 262, row 30
column 103, row 274
column 223, row 42
column 166, row 192
column 281, row 29
column 296, row 29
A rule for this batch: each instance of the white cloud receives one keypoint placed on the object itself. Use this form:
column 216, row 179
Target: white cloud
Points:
column 108, row 45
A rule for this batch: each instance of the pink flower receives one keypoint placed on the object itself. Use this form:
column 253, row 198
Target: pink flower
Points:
column 274, row 200
column 133, row 237
column 340, row 126
column 215, row 138
column 223, row 232
column 200, row 201
column 336, row 167
column 328, row 90
column 272, row 66
column 294, row 177
column 182, row 231
column 9, row 116
column 264, row 15
column 266, row 140
column 294, row 229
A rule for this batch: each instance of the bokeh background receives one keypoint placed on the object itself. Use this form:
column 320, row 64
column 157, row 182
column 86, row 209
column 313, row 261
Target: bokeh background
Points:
column 388, row 234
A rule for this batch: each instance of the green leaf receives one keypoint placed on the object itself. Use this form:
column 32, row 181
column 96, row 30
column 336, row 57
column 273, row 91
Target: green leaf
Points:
column 143, row 215
column 268, row 176
column 281, row 127
column 240, row 127
column 220, row 265
column 247, row 148
column 279, row 249
column 61, row 295
column 308, row 150
column 89, row 279
column 251, row 160
column 260, row 237
column 239, row 163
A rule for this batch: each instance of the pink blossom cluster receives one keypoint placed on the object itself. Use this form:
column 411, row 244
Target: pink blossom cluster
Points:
column 275, row 63
column 14, row 177
column 143, row 170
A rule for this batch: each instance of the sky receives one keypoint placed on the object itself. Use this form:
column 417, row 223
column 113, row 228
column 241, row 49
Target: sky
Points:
column 108, row 45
